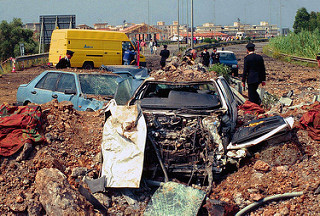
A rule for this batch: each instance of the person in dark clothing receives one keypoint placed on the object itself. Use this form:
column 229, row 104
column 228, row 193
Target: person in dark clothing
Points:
column 205, row 57
column 164, row 55
column 128, row 56
column 65, row 62
column 215, row 56
column 254, row 73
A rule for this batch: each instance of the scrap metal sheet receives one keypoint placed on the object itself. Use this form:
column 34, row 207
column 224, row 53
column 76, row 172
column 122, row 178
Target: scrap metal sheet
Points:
column 175, row 199
column 123, row 144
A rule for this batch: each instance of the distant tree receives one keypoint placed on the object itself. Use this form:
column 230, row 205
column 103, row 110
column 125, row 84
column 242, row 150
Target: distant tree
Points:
column 11, row 35
column 313, row 23
column 301, row 20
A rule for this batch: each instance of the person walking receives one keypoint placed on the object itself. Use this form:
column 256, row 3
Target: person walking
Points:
column 165, row 53
column 65, row 62
column 254, row 73
column 205, row 57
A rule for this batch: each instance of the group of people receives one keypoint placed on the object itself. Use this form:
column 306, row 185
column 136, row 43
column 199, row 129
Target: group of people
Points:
column 254, row 72
column 208, row 58
column 152, row 45
column 129, row 55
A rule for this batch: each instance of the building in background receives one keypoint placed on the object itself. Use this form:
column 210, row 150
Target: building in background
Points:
column 83, row 26
column 33, row 26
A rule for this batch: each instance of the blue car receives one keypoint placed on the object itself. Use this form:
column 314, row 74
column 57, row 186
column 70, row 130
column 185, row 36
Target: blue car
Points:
column 86, row 91
column 228, row 58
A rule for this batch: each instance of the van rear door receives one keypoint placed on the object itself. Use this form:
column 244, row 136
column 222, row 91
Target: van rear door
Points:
column 58, row 46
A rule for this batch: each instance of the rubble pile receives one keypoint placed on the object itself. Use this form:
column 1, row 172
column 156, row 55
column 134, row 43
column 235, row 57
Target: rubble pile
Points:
column 73, row 140
column 73, row 149
column 178, row 70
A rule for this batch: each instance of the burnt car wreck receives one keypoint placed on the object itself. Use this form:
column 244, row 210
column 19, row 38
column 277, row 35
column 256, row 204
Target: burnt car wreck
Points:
column 191, row 130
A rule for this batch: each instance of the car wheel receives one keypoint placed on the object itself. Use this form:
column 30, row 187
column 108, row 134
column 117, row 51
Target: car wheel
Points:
column 88, row 65
column 26, row 103
column 89, row 110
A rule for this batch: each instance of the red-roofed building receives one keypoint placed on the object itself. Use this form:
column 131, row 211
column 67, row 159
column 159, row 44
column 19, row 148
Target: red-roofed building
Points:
column 141, row 32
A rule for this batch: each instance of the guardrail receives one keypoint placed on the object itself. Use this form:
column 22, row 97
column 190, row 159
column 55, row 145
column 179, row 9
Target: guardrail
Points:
column 31, row 57
column 21, row 62
column 209, row 46
column 296, row 58
column 31, row 60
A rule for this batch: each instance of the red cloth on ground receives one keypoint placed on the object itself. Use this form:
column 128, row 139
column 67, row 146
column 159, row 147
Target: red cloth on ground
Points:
column 18, row 125
column 311, row 120
column 251, row 108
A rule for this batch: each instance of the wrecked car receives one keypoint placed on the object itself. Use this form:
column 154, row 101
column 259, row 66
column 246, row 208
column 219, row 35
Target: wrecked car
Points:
column 134, row 71
column 86, row 91
column 191, row 129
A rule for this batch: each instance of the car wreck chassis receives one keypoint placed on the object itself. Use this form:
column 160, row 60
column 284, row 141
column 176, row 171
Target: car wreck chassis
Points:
column 190, row 145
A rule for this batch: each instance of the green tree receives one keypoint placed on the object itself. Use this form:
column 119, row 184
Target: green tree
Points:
column 11, row 35
column 313, row 23
column 301, row 20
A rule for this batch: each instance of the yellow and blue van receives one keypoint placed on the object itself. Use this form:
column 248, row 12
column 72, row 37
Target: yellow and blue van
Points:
column 92, row 48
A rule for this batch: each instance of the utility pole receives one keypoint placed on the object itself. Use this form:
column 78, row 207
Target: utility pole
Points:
column 280, row 19
column 148, row 21
column 192, row 24
column 178, row 28
column 187, row 20
column 214, row 18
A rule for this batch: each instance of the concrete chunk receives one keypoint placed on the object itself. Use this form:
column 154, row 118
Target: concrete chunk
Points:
column 286, row 101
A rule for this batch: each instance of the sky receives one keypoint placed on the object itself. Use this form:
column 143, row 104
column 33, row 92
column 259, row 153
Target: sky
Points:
column 114, row 12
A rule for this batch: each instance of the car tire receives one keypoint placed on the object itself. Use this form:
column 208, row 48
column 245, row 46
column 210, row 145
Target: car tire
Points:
column 88, row 65
column 26, row 103
column 89, row 110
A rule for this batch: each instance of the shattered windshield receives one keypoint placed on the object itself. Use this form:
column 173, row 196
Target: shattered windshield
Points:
column 98, row 84
column 175, row 96
column 227, row 56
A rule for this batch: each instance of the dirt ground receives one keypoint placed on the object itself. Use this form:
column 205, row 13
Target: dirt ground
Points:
column 74, row 140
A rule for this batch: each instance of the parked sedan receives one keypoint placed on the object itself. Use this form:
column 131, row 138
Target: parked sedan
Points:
column 86, row 91
column 228, row 58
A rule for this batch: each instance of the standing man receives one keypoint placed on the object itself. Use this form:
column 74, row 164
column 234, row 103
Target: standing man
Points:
column 254, row 73
column 128, row 56
column 164, row 55
column 151, row 46
column 205, row 57
column 215, row 56
column 65, row 62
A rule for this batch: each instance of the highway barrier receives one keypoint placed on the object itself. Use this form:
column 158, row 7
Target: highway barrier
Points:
column 23, row 62
column 293, row 58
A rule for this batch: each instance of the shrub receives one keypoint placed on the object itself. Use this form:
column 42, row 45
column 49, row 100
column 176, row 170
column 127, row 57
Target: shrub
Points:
column 207, row 40
column 221, row 70
column 304, row 44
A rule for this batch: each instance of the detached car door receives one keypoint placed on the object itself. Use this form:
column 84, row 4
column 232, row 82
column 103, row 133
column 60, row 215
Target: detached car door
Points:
column 230, row 100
